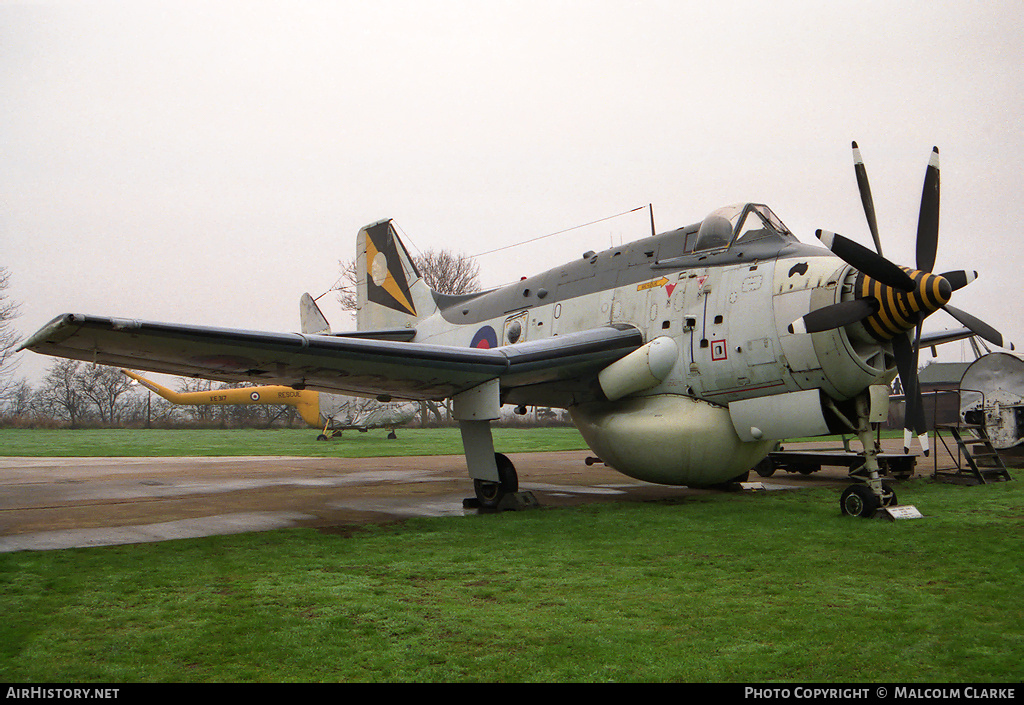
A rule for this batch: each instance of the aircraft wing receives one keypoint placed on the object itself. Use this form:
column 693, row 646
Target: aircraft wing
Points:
column 930, row 340
column 353, row 365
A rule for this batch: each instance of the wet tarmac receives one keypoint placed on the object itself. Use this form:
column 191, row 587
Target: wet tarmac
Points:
column 55, row 503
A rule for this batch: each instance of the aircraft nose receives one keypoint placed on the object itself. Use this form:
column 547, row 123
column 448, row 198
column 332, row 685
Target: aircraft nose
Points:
column 934, row 291
column 900, row 311
column 944, row 290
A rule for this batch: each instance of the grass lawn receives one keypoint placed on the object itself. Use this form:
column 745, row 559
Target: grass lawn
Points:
column 772, row 587
column 119, row 442
column 275, row 442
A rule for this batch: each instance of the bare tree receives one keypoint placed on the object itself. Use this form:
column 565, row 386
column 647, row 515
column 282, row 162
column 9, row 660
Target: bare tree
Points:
column 19, row 398
column 347, row 285
column 60, row 394
column 103, row 386
column 9, row 310
column 449, row 273
column 443, row 271
column 143, row 408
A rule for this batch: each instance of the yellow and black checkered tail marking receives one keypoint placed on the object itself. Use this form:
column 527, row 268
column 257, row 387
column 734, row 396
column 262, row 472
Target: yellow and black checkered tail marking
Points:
column 899, row 311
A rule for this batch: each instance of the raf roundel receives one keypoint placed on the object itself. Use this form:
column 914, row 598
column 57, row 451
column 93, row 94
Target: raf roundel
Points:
column 485, row 338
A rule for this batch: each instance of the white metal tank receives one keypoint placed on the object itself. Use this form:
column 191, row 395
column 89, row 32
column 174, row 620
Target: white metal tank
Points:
column 992, row 393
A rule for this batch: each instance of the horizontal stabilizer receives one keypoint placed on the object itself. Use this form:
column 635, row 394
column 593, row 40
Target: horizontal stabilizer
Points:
column 311, row 318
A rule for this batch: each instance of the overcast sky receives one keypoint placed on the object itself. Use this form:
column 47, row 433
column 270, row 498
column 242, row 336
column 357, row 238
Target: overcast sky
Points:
column 209, row 162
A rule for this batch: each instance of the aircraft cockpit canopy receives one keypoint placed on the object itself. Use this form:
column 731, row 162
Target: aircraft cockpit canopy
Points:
column 741, row 224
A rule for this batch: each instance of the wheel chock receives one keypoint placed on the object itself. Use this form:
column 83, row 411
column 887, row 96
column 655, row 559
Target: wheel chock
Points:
column 518, row 501
column 511, row 502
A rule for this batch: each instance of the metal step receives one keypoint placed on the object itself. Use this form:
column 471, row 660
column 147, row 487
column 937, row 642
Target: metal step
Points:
column 992, row 469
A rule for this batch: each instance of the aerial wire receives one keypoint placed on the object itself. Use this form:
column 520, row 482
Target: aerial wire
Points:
column 575, row 227
column 406, row 238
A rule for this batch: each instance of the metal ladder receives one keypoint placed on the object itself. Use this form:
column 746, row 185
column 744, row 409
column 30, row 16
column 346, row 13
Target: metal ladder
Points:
column 989, row 469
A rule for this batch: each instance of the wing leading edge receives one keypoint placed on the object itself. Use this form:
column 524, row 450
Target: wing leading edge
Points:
column 351, row 365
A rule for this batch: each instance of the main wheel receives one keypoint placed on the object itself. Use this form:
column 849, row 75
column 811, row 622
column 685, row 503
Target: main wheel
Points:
column 858, row 501
column 490, row 493
column 766, row 468
column 730, row 485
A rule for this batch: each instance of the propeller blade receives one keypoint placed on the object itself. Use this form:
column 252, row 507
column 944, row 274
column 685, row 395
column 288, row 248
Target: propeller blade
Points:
column 835, row 316
column 866, row 261
column 913, row 416
column 920, row 422
column 980, row 328
column 959, row 279
column 865, row 196
column 928, row 220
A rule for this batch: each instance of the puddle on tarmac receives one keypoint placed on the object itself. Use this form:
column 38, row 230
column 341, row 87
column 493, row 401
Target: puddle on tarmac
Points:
column 221, row 524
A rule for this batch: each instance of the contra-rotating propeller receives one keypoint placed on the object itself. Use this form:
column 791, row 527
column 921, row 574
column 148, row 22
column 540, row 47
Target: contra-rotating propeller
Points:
column 892, row 301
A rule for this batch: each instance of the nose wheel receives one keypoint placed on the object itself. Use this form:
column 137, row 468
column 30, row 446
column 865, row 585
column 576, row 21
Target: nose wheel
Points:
column 861, row 500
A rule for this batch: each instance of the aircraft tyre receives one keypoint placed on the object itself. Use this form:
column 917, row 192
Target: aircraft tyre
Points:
column 860, row 501
column 322, row 437
column 490, row 494
column 766, row 468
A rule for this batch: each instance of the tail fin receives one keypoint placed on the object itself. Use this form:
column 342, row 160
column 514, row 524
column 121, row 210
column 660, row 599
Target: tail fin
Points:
column 311, row 318
column 391, row 292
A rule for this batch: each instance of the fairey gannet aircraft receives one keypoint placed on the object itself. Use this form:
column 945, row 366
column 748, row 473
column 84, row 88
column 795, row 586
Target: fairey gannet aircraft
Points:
column 681, row 357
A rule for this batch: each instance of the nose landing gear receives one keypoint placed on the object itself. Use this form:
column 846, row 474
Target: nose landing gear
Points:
column 868, row 494
column 861, row 500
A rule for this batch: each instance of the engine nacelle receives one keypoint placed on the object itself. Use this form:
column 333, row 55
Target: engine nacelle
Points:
column 668, row 439
column 841, row 361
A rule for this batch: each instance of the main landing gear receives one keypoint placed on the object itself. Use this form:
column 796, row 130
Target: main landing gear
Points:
column 495, row 482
